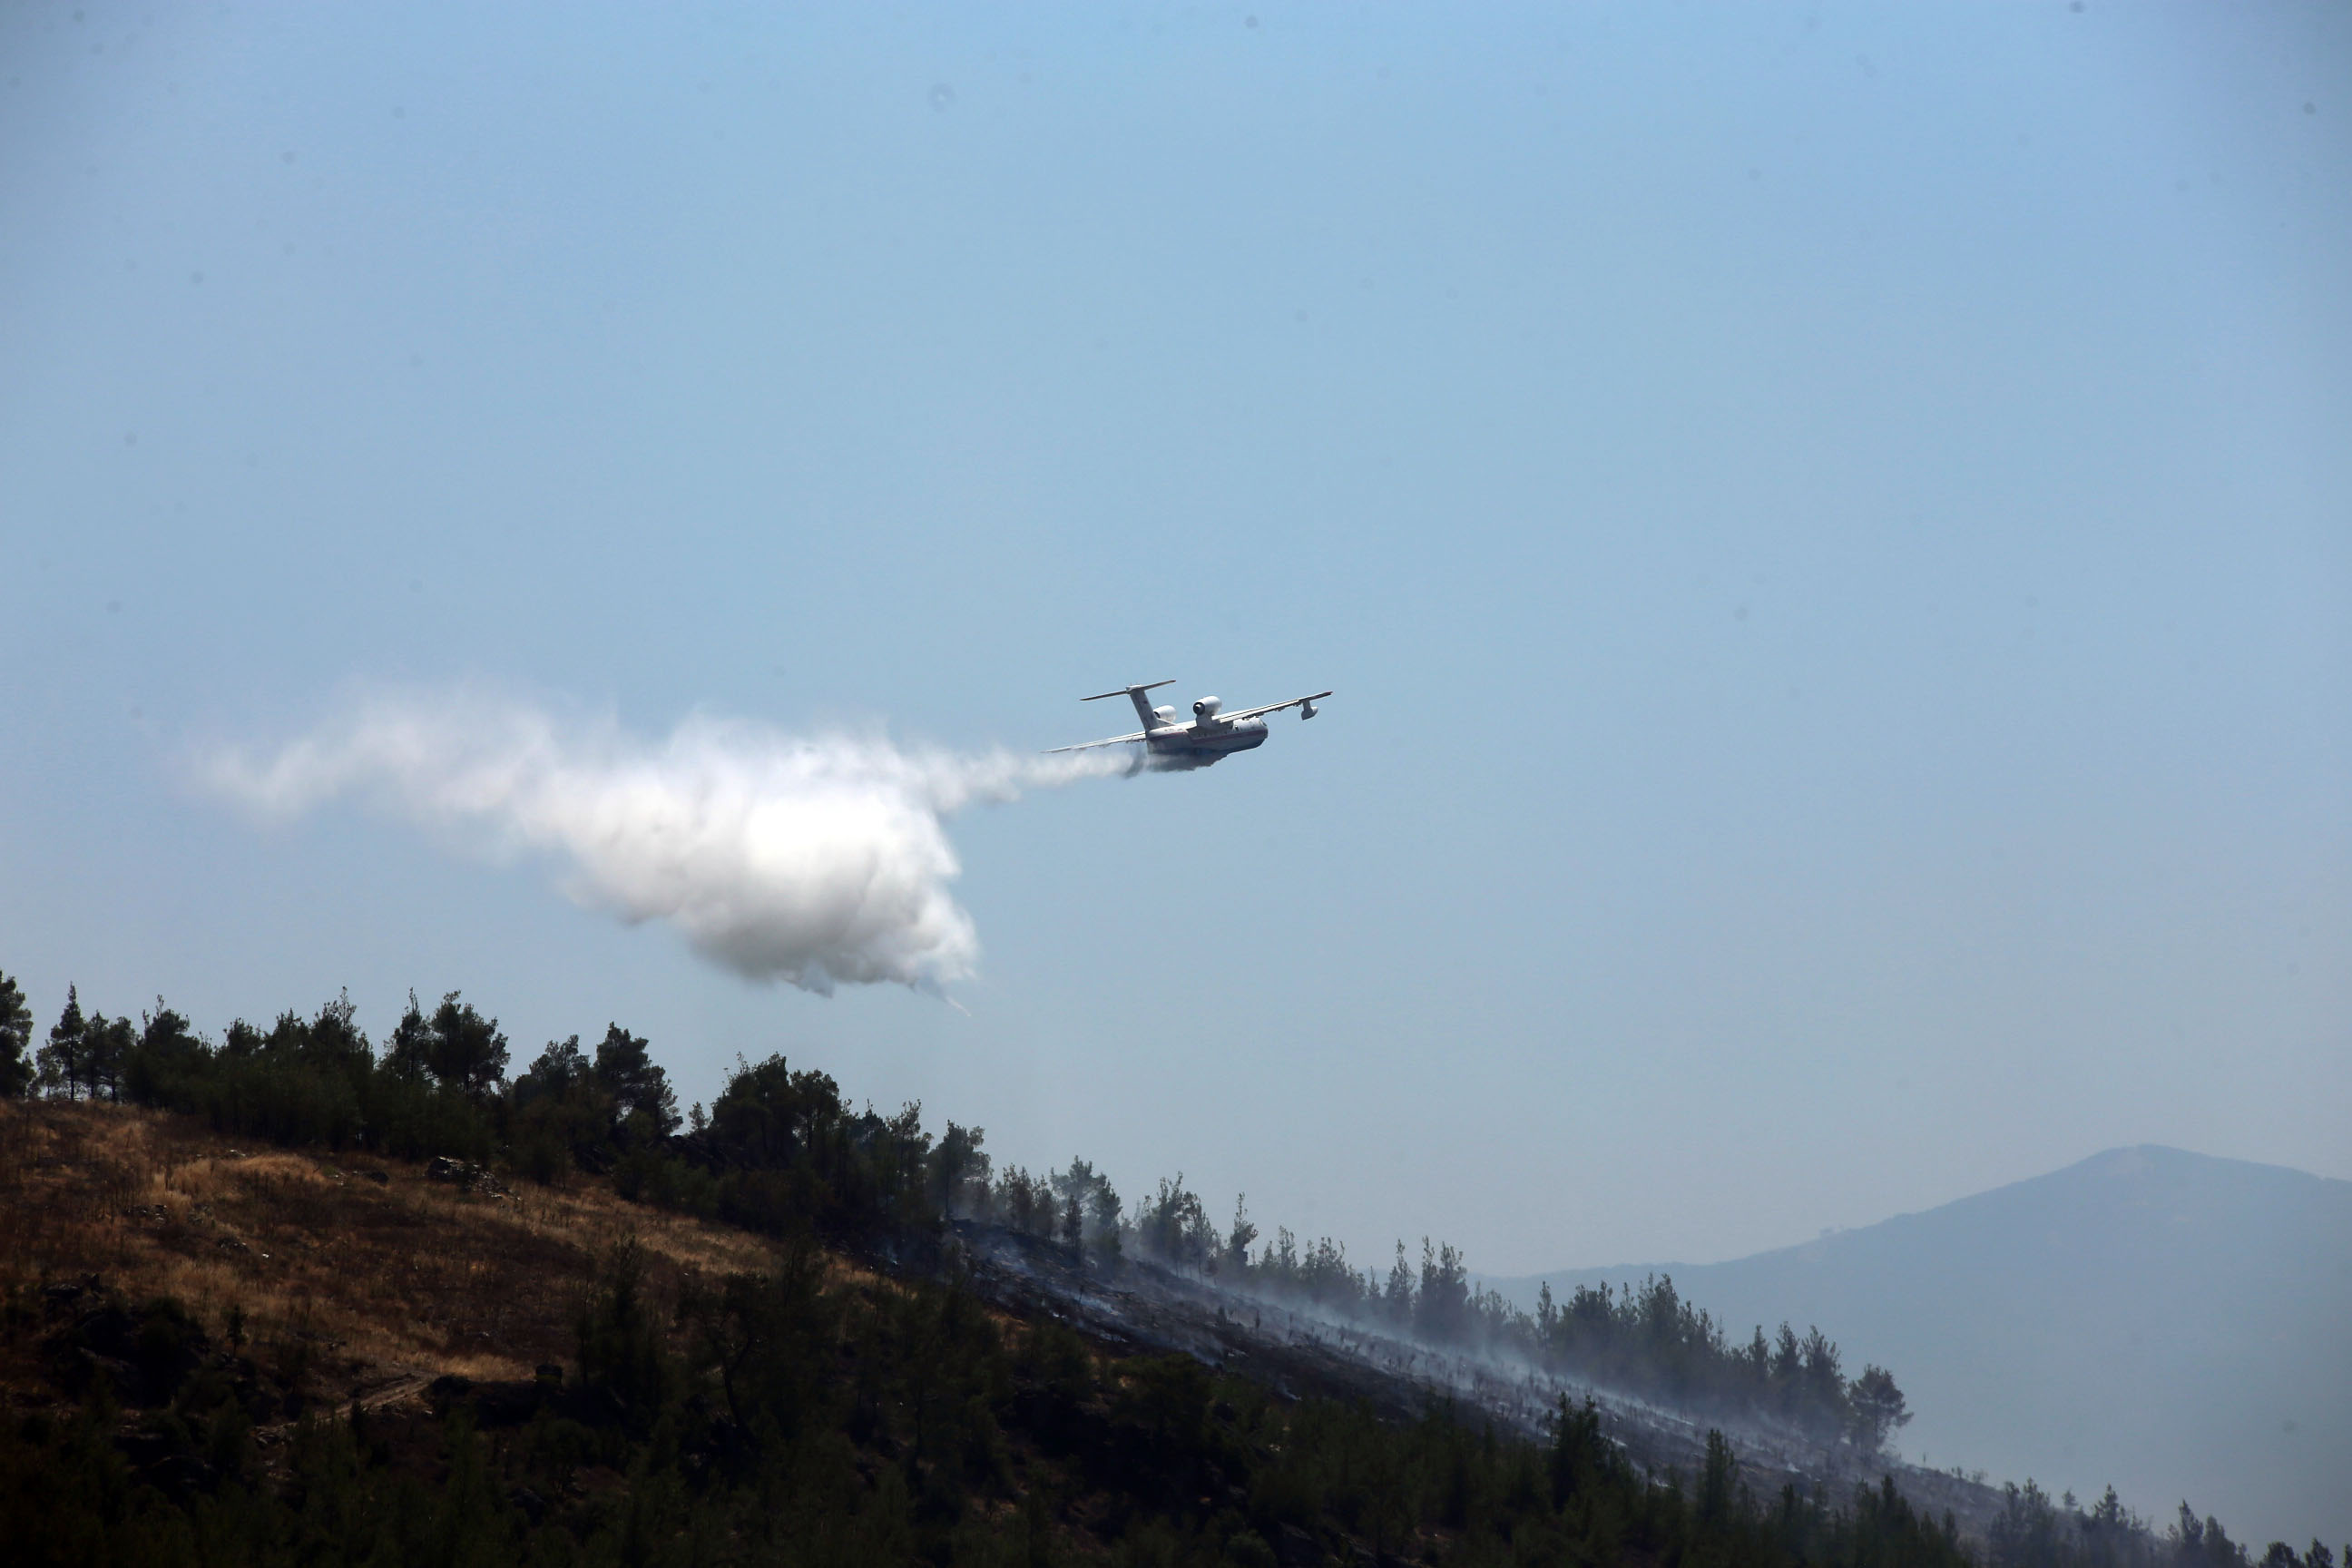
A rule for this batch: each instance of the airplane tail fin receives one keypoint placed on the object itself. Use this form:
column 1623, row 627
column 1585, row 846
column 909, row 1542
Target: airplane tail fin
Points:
column 1135, row 694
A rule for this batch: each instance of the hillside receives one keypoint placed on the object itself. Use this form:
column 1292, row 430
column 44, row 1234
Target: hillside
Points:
column 215, row 1354
column 2169, row 1322
column 290, row 1296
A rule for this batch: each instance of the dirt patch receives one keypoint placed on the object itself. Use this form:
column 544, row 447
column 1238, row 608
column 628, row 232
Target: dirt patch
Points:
column 347, row 1271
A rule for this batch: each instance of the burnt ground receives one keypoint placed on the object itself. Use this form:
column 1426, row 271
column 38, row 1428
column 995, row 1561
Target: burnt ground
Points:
column 1143, row 1307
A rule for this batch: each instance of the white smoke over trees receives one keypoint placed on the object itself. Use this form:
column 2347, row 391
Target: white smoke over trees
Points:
column 818, row 860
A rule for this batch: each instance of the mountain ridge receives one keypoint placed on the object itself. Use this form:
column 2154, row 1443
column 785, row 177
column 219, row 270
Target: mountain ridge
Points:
column 2156, row 1150
column 2167, row 1321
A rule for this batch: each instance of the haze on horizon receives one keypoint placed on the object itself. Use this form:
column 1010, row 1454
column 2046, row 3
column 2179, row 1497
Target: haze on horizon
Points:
column 1832, row 529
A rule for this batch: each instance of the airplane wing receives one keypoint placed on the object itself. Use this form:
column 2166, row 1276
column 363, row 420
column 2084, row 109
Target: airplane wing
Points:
column 1271, row 707
column 1090, row 745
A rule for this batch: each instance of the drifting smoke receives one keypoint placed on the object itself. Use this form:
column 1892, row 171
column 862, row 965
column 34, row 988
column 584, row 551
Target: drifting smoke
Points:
column 817, row 861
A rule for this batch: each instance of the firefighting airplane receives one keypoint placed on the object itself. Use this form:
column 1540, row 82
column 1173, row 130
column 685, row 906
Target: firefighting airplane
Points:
column 1212, row 734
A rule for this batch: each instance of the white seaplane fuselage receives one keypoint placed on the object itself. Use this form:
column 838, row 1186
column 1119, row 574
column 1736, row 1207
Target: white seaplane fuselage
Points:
column 1202, row 741
column 1169, row 743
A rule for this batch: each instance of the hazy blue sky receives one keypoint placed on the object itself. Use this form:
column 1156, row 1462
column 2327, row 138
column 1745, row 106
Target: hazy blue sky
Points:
column 1832, row 529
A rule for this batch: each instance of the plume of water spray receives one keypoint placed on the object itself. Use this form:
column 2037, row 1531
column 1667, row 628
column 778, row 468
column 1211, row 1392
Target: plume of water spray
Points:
column 818, row 860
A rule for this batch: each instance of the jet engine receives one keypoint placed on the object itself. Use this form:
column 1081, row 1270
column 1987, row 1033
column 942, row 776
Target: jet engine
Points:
column 1206, row 708
column 1165, row 714
column 1306, row 711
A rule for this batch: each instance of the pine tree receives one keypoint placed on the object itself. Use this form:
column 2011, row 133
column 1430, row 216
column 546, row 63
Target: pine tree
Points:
column 404, row 1053
column 107, row 1045
column 1879, row 1408
column 1441, row 1309
column 465, row 1049
column 1399, row 1297
column 167, row 1054
column 15, row 1034
column 638, row 1087
column 60, row 1060
column 1718, row 1482
column 1238, row 1239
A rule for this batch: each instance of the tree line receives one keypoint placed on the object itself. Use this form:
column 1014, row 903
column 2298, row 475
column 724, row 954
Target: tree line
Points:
column 1647, row 1340
column 780, row 1151
column 788, row 1417
column 2035, row 1531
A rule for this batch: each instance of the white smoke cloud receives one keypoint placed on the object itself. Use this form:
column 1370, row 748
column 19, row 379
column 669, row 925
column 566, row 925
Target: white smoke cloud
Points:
column 819, row 861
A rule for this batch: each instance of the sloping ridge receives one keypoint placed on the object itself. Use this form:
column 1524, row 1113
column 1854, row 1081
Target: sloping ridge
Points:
column 2175, row 1324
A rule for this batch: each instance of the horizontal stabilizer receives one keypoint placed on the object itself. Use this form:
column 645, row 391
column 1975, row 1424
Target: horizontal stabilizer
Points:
column 1129, row 690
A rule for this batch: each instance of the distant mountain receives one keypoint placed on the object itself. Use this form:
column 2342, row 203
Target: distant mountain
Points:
column 2177, row 1325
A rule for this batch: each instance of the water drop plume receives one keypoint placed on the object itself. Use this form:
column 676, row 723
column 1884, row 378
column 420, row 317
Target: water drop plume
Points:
column 818, row 860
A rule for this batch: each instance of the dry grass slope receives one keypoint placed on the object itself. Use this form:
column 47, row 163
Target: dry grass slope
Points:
column 362, row 1277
